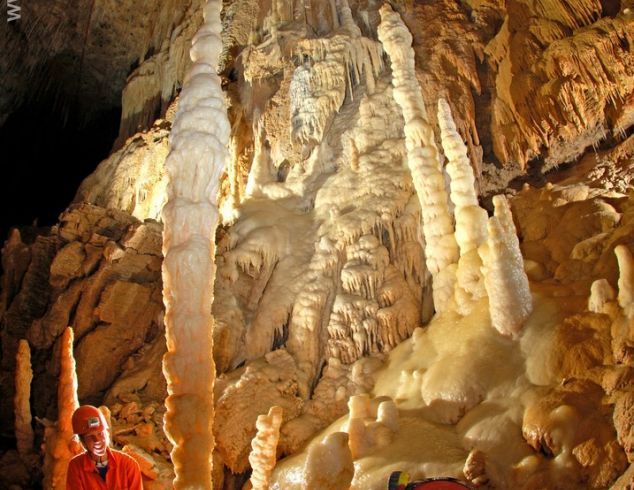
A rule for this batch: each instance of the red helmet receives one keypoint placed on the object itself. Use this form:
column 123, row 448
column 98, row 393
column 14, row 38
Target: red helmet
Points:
column 88, row 420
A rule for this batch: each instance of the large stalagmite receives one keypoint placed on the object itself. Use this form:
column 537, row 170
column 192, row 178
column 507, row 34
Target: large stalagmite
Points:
column 422, row 157
column 198, row 153
column 510, row 301
column 61, row 445
column 471, row 219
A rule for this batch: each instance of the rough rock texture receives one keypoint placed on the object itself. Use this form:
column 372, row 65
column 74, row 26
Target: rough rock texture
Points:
column 563, row 79
column 569, row 423
column 133, row 178
column 97, row 271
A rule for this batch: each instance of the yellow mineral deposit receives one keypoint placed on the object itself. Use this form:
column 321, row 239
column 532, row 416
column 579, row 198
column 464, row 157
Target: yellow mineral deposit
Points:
column 361, row 285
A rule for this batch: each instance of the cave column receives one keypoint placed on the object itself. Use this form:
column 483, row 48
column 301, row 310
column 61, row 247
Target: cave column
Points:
column 198, row 154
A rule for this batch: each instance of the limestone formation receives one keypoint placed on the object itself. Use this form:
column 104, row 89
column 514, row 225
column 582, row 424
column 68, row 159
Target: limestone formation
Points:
column 573, row 44
column 133, row 178
column 470, row 218
column 510, row 301
column 329, row 464
column 343, row 229
column 626, row 279
column 22, row 404
column 601, row 293
column 197, row 158
column 264, row 448
column 422, row 157
column 59, row 440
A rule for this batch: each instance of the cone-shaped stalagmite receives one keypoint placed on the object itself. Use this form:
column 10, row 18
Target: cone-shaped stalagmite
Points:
column 510, row 301
column 61, row 445
column 626, row 279
column 198, row 153
column 471, row 219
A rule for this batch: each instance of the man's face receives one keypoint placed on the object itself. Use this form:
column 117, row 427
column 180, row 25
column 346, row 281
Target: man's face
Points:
column 96, row 443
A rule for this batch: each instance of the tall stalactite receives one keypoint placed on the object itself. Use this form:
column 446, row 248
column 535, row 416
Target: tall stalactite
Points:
column 198, row 153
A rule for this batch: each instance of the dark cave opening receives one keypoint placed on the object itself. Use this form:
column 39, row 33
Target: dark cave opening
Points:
column 46, row 153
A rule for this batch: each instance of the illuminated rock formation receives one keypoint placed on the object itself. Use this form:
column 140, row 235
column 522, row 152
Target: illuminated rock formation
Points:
column 59, row 440
column 264, row 448
column 601, row 293
column 422, row 157
column 197, row 157
column 371, row 425
column 132, row 178
column 626, row 279
column 329, row 464
column 322, row 277
column 510, row 301
column 470, row 218
column 22, row 404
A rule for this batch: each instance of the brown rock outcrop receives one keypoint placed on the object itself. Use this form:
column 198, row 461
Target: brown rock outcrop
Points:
column 569, row 423
column 98, row 271
column 562, row 80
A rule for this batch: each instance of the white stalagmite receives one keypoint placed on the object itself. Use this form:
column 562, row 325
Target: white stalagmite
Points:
column 471, row 219
column 329, row 464
column 60, row 443
column 601, row 293
column 264, row 448
column 626, row 279
column 198, row 153
column 510, row 301
column 372, row 424
column 422, row 157
column 21, row 403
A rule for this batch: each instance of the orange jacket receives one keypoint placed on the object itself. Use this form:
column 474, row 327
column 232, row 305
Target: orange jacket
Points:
column 123, row 473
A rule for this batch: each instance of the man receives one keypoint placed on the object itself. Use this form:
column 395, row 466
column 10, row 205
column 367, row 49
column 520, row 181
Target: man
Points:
column 99, row 467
